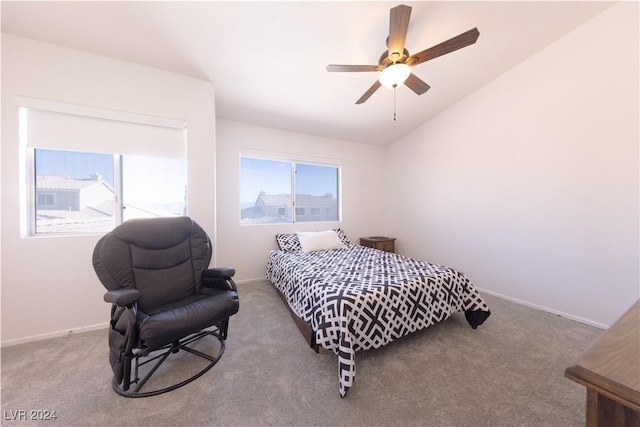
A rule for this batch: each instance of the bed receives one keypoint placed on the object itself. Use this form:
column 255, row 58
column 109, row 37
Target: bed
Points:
column 346, row 298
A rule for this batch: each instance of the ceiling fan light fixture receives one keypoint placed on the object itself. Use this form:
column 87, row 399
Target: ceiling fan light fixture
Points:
column 394, row 75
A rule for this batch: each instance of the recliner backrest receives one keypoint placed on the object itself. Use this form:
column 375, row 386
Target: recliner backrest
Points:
column 163, row 258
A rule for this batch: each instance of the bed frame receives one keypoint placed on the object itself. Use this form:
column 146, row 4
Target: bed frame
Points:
column 305, row 328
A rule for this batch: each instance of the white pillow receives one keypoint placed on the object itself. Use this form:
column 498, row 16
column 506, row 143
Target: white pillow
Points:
column 319, row 240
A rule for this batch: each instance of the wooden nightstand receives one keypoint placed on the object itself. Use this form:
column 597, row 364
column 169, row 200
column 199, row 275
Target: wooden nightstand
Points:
column 379, row 242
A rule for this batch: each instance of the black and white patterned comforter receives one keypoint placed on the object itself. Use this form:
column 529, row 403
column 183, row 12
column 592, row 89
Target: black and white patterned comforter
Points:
column 361, row 298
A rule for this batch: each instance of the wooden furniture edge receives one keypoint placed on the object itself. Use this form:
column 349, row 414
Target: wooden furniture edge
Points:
column 623, row 394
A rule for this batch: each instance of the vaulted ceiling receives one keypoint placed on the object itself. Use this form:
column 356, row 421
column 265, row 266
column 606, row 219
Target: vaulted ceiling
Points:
column 267, row 60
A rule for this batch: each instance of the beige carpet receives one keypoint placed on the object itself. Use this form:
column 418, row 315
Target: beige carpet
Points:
column 508, row 372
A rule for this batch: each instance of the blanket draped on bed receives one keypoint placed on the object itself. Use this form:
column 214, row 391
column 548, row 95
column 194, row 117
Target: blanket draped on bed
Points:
column 361, row 298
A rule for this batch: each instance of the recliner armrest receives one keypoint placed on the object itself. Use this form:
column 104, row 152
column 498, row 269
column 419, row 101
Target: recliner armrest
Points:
column 219, row 278
column 122, row 297
column 219, row 272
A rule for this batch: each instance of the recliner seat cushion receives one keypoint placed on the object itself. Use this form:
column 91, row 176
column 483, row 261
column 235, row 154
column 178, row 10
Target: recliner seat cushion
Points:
column 176, row 320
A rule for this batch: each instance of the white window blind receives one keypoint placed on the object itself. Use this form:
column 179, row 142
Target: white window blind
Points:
column 75, row 132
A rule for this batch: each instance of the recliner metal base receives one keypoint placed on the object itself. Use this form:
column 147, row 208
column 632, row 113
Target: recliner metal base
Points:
column 123, row 389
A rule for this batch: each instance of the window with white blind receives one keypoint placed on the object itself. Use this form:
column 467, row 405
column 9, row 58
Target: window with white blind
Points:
column 89, row 170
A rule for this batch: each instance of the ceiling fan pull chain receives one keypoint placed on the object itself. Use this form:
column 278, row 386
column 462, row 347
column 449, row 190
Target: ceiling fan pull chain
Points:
column 394, row 102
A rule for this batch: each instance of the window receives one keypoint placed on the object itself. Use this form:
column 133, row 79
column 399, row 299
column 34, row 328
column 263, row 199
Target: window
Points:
column 87, row 174
column 45, row 200
column 153, row 186
column 74, row 192
column 266, row 187
column 78, row 192
column 316, row 191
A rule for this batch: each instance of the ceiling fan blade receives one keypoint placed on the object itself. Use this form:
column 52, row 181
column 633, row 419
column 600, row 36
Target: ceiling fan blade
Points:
column 415, row 84
column 369, row 92
column 458, row 42
column 353, row 68
column 398, row 26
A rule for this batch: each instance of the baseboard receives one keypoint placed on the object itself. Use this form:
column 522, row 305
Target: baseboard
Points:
column 251, row 281
column 55, row 334
column 546, row 309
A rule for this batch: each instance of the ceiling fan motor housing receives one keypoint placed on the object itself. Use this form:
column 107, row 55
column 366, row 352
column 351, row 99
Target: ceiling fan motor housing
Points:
column 385, row 59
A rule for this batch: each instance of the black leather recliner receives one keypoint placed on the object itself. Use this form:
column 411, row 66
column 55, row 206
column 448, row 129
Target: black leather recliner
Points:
column 164, row 298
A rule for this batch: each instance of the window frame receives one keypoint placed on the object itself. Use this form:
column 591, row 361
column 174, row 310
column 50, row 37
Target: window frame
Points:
column 294, row 161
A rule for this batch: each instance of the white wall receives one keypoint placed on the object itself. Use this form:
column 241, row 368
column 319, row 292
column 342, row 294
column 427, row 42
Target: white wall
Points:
column 364, row 191
column 48, row 283
column 530, row 185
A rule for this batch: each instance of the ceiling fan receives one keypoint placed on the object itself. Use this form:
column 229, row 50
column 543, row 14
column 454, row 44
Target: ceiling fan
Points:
column 396, row 62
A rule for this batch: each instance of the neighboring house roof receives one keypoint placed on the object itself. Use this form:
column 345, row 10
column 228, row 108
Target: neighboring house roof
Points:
column 96, row 218
column 265, row 220
column 54, row 182
column 305, row 200
column 62, row 221
column 274, row 199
